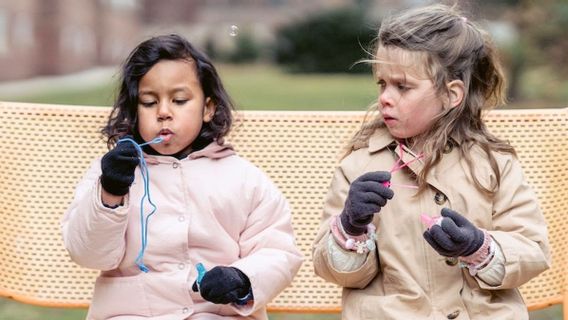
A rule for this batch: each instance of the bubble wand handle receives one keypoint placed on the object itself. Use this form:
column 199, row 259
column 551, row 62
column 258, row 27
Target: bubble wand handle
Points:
column 200, row 273
column 430, row 221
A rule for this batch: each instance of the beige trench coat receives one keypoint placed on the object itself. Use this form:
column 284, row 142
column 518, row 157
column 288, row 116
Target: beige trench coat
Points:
column 211, row 208
column 405, row 278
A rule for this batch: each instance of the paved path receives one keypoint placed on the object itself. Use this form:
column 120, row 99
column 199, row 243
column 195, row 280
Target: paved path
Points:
column 79, row 80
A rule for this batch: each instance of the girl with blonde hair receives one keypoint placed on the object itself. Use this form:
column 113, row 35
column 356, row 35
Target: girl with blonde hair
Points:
column 429, row 215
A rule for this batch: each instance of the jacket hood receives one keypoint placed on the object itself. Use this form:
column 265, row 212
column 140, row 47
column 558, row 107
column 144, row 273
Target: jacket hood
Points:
column 213, row 151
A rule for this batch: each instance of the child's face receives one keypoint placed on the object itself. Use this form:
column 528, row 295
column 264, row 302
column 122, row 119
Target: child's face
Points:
column 171, row 104
column 408, row 101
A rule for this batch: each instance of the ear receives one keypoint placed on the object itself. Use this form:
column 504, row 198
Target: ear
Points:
column 456, row 91
column 209, row 110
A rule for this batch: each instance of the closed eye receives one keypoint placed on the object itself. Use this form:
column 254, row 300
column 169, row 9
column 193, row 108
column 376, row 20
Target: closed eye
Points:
column 180, row 102
column 147, row 104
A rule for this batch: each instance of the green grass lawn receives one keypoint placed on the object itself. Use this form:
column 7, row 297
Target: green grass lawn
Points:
column 263, row 87
column 11, row 310
column 266, row 87
column 251, row 87
column 100, row 94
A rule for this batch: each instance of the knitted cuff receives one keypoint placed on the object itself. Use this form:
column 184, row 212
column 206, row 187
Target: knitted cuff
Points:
column 361, row 244
column 349, row 228
column 481, row 257
column 113, row 206
column 244, row 300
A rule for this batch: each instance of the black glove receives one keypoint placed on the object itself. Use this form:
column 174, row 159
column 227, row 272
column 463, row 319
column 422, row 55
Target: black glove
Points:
column 223, row 285
column 457, row 237
column 367, row 195
column 118, row 167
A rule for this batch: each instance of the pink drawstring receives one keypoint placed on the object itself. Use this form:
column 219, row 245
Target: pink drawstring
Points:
column 408, row 186
column 397, row 167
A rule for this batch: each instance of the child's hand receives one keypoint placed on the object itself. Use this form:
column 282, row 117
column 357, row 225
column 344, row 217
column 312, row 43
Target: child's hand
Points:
column 223, row 285
column 367, row 195
column 456, row 237
column 118, row 167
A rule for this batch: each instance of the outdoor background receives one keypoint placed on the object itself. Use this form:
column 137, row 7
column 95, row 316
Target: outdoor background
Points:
column 271, row 54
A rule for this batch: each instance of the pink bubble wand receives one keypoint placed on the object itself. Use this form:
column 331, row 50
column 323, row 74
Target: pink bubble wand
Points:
column 398, row 165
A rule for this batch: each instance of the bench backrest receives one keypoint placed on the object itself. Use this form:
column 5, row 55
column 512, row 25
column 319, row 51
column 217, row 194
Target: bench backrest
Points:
column 45, row 149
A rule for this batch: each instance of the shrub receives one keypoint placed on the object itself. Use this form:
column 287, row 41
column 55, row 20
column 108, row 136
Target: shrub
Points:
column 331, row 41
column 246, row 49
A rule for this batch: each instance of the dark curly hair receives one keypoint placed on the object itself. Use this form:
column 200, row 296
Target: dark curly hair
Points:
column 123, row 118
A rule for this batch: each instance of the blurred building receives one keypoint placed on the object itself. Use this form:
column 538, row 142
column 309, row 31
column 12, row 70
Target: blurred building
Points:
column 49, row 37
column 218, row 21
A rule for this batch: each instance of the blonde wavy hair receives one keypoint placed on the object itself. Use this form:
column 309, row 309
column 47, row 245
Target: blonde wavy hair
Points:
column 447, row 47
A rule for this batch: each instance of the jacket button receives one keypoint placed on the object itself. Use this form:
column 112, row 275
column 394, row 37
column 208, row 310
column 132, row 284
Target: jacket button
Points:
column 448, row 147
column 186, row 310
column 451, row 261
column 175, row 165
column 454, row 314
column 439, row 198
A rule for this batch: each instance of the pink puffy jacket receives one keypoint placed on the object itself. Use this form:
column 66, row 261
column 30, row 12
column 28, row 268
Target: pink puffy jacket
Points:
column 213, row 207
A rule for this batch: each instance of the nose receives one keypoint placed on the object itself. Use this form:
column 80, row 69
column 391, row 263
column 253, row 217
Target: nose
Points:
column 385, row 98
column 164, row 111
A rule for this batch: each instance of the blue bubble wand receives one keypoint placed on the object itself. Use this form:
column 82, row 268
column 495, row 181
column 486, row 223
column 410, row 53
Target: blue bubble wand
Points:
column 146, row 179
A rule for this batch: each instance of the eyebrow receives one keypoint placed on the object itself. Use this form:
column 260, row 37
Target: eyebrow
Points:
column 141, row 93
column 395, row 78
column 178, row 89
column 174, row 90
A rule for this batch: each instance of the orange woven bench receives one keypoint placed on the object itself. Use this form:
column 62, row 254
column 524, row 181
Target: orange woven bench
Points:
column 46, row 149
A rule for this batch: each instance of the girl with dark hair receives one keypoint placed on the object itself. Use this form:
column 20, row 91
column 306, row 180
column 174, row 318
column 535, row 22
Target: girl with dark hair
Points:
column 429, row 215
column 171, row 200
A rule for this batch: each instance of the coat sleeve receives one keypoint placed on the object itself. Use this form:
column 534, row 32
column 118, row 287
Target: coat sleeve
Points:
column 269, row 255
column 323, row 267
column 93, row 234
column 519, row 228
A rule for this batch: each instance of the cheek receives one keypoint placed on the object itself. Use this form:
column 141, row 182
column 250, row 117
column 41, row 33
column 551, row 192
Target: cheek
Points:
column 424, row 121
column 143, row 116
column 414, row 122
column 143, row 125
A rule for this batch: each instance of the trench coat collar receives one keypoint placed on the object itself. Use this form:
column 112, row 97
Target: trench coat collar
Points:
column 381, row 138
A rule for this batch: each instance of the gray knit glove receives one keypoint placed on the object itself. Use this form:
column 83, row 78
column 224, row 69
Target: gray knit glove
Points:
column 367, row 195
column 457, row 237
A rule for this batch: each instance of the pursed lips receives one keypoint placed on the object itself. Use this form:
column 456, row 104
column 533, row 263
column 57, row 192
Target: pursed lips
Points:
column 166, row 134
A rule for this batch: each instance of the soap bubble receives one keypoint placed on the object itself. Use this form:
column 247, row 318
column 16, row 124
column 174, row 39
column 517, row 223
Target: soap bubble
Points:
column 233, row 31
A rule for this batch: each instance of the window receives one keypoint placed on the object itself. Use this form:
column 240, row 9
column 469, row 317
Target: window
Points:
column 3, row 32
